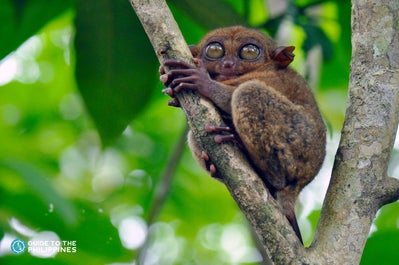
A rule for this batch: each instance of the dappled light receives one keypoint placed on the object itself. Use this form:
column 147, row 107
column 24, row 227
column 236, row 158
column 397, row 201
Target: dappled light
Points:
column 94, row 179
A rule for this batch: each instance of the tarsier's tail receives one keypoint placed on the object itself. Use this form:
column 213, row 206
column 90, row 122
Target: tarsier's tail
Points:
column 286, row 199
column 292, row 219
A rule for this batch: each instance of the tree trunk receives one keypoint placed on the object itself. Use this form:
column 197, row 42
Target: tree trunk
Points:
column 359, row 184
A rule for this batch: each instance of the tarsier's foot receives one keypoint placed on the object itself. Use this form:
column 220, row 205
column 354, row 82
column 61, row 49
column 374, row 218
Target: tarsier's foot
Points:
column 226, row 133
column 209, row 166
column 174, row 102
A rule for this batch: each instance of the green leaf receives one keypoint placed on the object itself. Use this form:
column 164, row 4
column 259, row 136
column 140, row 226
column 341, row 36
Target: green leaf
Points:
column 97, row 239
column 382, row 248
column 20, row 19
column 313, row 218
column 38, row 182
column 115, row 64
column 96, row 235
column 316, row 36
column 388, row 217
column 336, row 71
column 28, row 259
column 210, row 14
column 273, row 24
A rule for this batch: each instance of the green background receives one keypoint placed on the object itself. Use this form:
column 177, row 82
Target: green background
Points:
column 90, row 152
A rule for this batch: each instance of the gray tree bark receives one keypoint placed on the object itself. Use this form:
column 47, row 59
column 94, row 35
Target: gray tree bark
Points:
column 359, row 184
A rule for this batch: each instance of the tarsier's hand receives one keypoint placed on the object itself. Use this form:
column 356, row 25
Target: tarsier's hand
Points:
column 185, row 76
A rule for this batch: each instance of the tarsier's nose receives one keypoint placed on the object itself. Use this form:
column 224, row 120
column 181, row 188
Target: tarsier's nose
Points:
column 228, row 63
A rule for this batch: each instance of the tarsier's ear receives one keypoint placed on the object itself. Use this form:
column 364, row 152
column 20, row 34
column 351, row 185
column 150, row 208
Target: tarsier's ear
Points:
column 194, row 50
column 283, row 55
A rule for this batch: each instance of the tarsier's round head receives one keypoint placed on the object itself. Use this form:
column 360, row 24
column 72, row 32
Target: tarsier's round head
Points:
column 233, row 51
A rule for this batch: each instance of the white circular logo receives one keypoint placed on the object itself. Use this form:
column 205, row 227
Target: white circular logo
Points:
column 18, row 246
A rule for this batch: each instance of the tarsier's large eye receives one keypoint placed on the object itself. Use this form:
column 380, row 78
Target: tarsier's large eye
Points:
column 249, row 52
column 214, row 50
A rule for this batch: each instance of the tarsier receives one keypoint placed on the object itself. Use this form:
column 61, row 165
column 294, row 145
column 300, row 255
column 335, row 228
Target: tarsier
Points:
column 269, row 109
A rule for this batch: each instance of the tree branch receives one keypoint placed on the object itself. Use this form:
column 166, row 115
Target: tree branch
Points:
column 162, row 191
column 391, row 191
column 165, row 182
column 242, row 182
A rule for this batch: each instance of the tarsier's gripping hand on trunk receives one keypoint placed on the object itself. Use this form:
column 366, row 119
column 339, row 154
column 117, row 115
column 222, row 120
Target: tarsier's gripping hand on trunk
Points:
column 269, row 108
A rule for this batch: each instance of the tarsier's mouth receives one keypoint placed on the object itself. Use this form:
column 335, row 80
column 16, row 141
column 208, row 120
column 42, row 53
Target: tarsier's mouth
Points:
column 224, row 77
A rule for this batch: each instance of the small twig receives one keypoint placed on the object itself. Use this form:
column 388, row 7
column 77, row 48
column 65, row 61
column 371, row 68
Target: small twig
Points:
column 163, row 188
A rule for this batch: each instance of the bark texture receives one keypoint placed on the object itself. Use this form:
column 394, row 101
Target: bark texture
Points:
column 359, row 185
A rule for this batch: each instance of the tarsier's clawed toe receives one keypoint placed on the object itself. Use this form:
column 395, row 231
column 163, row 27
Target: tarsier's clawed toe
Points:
column 209, row 166
column 174, row 102
column 220, row 138
column 210, row 128
column 225, row 131
column 168, row 91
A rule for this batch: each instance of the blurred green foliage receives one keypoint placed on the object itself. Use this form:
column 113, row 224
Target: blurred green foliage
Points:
column 88, row 143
